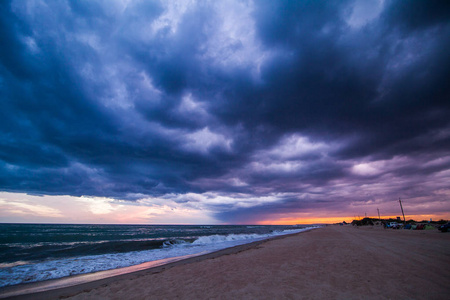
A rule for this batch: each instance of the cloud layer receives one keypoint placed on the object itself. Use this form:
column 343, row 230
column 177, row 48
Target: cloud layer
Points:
column 246, row 110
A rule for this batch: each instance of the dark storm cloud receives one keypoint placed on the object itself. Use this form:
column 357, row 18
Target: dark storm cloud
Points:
column 303, row 102
column 335, row 81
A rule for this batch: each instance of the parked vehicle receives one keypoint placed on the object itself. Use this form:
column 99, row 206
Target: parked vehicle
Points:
column 394, row 225
column 445, row 227
column 420, row 227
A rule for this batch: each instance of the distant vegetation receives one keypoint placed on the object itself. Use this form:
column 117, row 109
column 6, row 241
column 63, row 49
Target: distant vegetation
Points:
column 374, row 221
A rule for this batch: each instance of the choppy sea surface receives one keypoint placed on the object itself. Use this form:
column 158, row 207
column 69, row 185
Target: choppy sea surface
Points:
column 37, row 252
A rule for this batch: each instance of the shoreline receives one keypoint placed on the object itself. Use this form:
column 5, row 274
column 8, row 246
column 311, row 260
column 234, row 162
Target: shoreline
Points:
column 67, row 286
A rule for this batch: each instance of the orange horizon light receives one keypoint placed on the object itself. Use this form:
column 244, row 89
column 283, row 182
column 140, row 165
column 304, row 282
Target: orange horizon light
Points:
column 348, row 219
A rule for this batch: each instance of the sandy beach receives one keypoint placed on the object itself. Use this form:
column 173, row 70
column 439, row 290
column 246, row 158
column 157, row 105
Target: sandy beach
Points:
column 334, row 262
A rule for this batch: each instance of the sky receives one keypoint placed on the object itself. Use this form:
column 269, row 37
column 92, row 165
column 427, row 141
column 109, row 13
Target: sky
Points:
column 223, row 112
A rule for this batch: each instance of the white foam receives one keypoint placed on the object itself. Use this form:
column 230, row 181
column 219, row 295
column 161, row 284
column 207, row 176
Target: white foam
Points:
column 204, row 240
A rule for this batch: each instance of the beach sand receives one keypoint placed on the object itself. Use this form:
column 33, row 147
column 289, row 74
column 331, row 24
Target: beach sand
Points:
column 334, row 262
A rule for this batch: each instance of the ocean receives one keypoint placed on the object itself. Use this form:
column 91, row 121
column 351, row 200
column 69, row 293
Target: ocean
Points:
column 38, row 252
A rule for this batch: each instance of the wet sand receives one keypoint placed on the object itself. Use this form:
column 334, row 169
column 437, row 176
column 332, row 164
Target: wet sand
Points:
column 335, row 262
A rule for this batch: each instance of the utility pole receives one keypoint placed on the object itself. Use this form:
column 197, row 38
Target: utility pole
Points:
column 379, row 218
column 404, row 220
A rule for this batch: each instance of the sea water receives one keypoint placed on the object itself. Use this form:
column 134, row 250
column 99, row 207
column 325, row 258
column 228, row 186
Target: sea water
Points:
column 37, row 252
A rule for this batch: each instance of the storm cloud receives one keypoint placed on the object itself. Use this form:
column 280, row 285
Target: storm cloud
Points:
column 250, row 110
